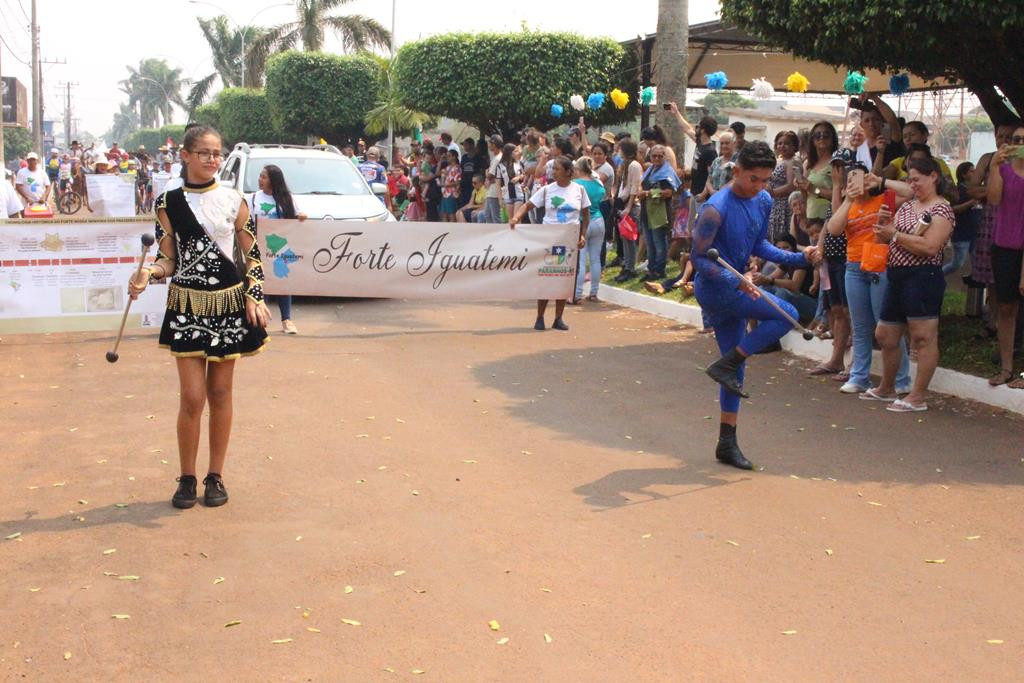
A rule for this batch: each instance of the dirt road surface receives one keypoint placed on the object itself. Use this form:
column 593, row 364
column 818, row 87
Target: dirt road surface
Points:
column 424, row 469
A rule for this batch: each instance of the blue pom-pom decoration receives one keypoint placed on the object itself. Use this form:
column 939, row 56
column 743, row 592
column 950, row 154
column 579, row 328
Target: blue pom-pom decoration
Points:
column 899, row 84
column 716, row 80
column 595, row 100
column 557, row 110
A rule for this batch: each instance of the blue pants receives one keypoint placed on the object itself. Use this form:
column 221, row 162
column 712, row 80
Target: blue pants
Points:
column 865, row 292
column 960, row 251
column 284, row 304
column 592, row 251
column 657, row 249
column 730, row 333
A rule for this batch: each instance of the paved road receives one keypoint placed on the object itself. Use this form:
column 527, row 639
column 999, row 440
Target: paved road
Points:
column 455, row 467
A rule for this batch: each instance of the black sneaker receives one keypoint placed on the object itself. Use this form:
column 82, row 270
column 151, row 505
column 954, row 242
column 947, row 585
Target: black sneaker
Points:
column 539, row 325
column 559, row 325
column 215, row 493
column 185, row 496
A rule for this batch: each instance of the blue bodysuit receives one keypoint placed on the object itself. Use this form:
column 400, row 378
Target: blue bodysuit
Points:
column 738, row 227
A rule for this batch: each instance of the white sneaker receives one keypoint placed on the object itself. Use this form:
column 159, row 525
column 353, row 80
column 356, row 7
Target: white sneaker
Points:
column 288, row 327
column 851, row 388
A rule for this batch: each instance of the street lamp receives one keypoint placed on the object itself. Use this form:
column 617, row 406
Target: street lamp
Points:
column 240, row 27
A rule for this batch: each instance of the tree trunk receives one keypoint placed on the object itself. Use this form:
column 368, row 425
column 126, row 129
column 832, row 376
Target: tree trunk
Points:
column 993, row 104
column 670, row 67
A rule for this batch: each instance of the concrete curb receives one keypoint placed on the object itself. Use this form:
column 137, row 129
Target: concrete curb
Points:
column 944, row 382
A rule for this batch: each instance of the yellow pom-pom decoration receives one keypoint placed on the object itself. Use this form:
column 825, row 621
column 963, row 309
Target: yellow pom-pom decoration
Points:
column 619, row 99
column 797, row 82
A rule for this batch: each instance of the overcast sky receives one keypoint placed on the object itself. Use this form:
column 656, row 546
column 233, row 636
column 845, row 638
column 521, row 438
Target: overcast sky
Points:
column 99, row 37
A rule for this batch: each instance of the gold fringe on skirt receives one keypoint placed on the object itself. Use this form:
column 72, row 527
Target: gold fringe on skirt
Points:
column 205, row 303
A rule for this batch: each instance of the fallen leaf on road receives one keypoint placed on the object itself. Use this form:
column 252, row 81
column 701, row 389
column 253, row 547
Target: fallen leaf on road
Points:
column 994, row 642
column 34, row 590
column 973, row 538
column 362, row 436
column 59, row 483
column 421, row 591
column 348, row 589
column 646, row 536
column 502, row 641
column 871, row 502
column 120, row 616
column 100, row 462
column 733, row 543
column 150, row 417
column 526, row 452
column 351, row 622
column 789, row 633
column 547, row 638
column 545, row 590
column 495, row 626
column 219, row 579
column 13, row 536
column 828, row 551
column 936, row 561
column 399, row 420
column 67, row 656
column 312, row 630
column 73, row 429
column 120, row 505
column 298, row 538
column 110, row 551
column 382, row 468
column 399, row 572
column 371, row 417
column 415, row 492
column 417, row 672
column 83, row 502
column 233, row 622
column 128, row 577
column 281, row 641
column 109, row 573
column 469, row 462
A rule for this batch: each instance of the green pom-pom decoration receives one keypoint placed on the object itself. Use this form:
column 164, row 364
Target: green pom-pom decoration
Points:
column 647, row 96
column 854, row 83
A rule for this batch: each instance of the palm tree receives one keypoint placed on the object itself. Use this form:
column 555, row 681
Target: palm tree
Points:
column 125, row 121
column 154, row 87
column 357, row 32
column 226, row 49
column 670, row 64
column 390, row 110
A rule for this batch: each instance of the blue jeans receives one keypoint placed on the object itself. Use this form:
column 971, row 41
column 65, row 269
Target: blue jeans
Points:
column 865, row 292
column 592, row 251
column 284, row 304
column 803, row 304
column 492, row 210
column 657, row 249
column 960, row 251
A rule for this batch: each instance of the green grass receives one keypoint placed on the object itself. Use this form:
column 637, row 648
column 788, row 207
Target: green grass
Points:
column 963, row 344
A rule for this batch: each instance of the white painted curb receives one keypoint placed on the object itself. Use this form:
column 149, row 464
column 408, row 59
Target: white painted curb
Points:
column 944, row 381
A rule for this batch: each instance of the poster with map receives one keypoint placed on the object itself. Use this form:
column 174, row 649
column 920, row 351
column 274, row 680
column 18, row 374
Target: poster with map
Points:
column 63, row 277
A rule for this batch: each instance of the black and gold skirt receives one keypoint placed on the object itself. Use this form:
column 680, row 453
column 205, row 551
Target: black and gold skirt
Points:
column 209, row 324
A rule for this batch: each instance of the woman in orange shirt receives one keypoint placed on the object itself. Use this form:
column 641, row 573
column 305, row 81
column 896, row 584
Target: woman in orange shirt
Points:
column 865, row 290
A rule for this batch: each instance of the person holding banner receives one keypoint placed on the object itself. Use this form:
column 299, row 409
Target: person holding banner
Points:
column 207, row 244
column 563, row 202
column 274, row 200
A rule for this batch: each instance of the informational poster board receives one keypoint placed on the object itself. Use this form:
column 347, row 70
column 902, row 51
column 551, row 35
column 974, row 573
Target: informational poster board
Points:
column 111, row 195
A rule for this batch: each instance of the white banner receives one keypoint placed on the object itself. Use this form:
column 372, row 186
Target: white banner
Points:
column 111, row 195
column 462, row 261
column 160, row 182
column 61, row 277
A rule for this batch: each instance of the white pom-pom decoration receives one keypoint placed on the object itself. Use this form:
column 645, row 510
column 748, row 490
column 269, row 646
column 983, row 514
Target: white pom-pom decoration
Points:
column 577, row 103
column 762, row 89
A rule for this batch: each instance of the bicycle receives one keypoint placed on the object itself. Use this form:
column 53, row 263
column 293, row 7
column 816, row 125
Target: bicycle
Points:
column 68, row 201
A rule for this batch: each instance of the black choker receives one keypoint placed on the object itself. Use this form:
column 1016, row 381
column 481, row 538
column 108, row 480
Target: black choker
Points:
column 200, row 186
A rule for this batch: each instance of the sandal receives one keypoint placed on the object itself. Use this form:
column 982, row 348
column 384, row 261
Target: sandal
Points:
column 1001, row 377
column 1017, row 383
column 841, row 376
column 873, row 395
column 593, row 298
column 823, row 370
column 901, row 406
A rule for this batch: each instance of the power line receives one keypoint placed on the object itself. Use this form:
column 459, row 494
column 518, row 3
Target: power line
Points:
column 10, row 31
column 13, row 54
column 23, row 12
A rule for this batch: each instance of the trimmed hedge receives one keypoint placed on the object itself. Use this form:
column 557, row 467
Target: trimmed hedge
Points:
column 508, row 81
column 152, row 138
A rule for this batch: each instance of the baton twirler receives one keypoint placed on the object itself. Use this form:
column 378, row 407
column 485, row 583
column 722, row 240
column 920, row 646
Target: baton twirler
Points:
column 713, row 255
column 147, row 242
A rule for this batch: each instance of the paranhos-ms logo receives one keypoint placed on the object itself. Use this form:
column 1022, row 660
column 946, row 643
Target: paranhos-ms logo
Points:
column 557, row 262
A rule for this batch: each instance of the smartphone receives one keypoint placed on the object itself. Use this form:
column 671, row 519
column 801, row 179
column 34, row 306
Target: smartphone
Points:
column 798, row 172
column 890, row 201
column 886, row 132
column 856, row 180
column 666, row 106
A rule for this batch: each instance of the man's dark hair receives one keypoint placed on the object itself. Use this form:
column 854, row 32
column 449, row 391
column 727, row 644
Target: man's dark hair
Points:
column 622, row 135
column 709, row 125
column 820, row 222
column 446, row 137
column 919, row 125
column 479, row 176
column 739, row 127
column 756, row 154
column 919, row 147
column 497, row 141
column 565, row 147
column 469, row 141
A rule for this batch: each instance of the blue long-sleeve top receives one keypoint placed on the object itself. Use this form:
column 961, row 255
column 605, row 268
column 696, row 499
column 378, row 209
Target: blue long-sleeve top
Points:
column 737, row 228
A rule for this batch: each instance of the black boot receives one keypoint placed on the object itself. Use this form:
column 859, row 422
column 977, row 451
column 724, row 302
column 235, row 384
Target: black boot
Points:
column 728, row 450
column 725, row 371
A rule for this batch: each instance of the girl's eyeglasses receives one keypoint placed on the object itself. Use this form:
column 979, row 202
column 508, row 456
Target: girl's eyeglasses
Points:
column 205, row 157
column 1017, row 139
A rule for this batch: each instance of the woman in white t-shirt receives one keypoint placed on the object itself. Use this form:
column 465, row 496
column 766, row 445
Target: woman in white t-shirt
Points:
column 563, row 202
column 274, row 200
column 510, row 179
column 628, row 202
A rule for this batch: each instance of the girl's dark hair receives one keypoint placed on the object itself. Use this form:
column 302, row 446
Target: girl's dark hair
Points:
column 927, row 166
column 788, row 239
column 963, row 169
column 659, row 135
column 919, row 147
column 532, row 138
column 756, row 154
column 194, row 133
column 601, row 145
column 919, row 125
column 789, row 135
column 812, row 150
column 565, row 147
column 508, row 160
column 565, row 163
column 628, row 149
column 280, row 192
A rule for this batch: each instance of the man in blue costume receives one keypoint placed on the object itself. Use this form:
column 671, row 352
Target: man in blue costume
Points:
column 735, row 222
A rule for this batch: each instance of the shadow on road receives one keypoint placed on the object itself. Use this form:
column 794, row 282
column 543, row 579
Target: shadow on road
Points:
column 656, row 399
column 144, row 515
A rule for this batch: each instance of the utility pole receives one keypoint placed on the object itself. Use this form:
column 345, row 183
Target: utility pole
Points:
column 67, row 111
column 2, row 157
column 37, row 88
